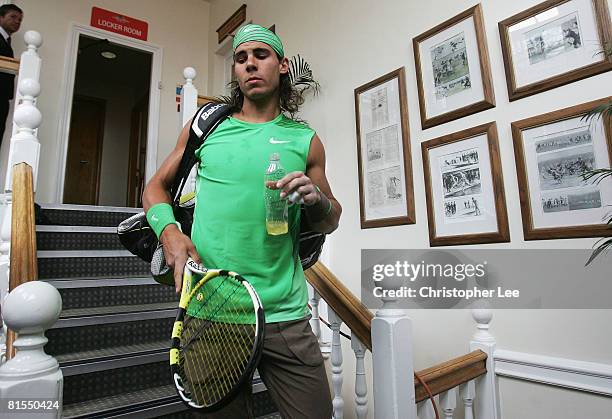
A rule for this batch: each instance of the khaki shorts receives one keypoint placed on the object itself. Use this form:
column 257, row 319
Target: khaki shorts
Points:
column 293, row 371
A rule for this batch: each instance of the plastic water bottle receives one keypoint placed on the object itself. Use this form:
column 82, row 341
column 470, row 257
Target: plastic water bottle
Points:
column 276, row 208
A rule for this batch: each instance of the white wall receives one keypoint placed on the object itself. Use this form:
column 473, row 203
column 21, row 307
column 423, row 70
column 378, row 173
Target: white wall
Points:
column 116, row 144
column 180, row 28
column 349, row 43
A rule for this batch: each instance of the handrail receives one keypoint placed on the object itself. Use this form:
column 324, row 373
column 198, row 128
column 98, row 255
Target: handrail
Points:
column 23, row 236
column 9, row 65
column 346, row 305
column 449, row 374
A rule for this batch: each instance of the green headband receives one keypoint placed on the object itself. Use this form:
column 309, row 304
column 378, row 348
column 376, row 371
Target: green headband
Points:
column 258, row 33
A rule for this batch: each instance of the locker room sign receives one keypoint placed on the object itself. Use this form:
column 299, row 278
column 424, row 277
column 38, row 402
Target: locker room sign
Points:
column 118, row 23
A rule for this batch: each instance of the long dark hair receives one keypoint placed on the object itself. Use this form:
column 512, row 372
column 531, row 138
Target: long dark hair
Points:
column 291, row 89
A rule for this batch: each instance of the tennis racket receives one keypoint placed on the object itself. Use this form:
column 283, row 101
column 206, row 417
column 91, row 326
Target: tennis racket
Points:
column 217, row 337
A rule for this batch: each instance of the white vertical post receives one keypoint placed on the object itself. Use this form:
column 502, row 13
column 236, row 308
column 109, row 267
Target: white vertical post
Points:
column 448, row 402
column 189, row 96
column 336, row 361
column 29, row 310
column 5, row 245
column 315, row 321
column 487, row 390
column 392, row 362
column 361, row 387
column 189, row 106
column 24, row 147
column 466, row 391
column 29, row 64
column 425, row 410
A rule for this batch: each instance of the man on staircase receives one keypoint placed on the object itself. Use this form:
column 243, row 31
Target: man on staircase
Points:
column 10, row 21
column 229, row 228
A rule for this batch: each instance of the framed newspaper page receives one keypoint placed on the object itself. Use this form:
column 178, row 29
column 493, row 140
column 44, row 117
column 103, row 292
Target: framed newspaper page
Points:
column 555, row 43
column 464, row 188
column 386, row 194
column 453, row 69
column 553, row 152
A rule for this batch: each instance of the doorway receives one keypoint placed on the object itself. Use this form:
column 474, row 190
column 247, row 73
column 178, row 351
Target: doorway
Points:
column 107, row 142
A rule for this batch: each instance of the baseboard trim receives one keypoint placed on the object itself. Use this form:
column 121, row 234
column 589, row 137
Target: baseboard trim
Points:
column 585, row 376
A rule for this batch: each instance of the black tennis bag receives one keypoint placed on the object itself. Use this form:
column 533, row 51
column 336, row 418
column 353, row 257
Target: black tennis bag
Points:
column 138, row 237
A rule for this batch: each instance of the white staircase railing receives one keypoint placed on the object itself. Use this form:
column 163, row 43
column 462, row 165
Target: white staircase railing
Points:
column 23, row 147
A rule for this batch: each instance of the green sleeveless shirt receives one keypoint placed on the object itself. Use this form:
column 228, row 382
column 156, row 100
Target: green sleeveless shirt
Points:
column 229, row 228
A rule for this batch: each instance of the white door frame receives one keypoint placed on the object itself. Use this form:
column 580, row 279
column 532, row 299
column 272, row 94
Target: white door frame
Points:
column 67, row 92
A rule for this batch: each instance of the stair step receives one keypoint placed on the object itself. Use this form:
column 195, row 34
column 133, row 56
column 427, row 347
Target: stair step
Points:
column 93, row 297
column 118, row 309
column 99, row 267
column 160, row 403
column 74, row 239
column 116, row 381
column 84, row 215
column 107, row 337
column 114, row 404
column 106, row 354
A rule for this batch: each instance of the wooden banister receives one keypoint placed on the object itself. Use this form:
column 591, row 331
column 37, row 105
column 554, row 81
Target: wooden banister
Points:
column 346, row 305
column 9, row 65
column 450, row 374
column 23, row 236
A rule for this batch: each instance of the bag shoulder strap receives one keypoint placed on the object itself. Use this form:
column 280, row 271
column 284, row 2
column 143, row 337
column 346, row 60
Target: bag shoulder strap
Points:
column 205, row 120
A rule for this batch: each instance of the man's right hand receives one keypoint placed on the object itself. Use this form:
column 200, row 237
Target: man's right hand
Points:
column 177, row 248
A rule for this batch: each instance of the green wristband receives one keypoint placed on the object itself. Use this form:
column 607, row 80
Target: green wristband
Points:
column 159, row 216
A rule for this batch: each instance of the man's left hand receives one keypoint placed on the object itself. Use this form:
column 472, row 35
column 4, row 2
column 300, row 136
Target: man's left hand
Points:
column 299, row 188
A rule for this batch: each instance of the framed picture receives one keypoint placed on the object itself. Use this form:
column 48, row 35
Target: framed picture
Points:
column 555, row 43
column 386, row 194
column 552, row 153
column 453, row 69
column 464, row 188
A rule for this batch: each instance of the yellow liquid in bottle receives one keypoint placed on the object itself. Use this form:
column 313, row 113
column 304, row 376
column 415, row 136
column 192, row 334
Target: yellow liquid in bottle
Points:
column 276, row 228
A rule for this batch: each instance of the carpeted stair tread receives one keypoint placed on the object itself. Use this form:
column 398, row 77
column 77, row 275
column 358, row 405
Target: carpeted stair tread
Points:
column 116, row 351
column 119, row 401
column 131, row 308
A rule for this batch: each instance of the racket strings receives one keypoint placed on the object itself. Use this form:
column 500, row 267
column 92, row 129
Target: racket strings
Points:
column 200, row 313
column 217, row 340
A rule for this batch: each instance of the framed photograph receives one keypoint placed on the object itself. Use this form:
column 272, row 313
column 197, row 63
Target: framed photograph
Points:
column 464, row 188
column 552, row 153
column 386, row 194
column 555, row 43
column 453, row 69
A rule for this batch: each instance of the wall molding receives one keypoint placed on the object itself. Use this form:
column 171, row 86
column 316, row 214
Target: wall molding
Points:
column 585, row 376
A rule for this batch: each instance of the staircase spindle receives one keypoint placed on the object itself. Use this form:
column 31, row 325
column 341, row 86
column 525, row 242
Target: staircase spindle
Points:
column 315, row 321
column 425, row 410
column 466, row 391
column 336, row 361
column 448, row 403
column 361, row 387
